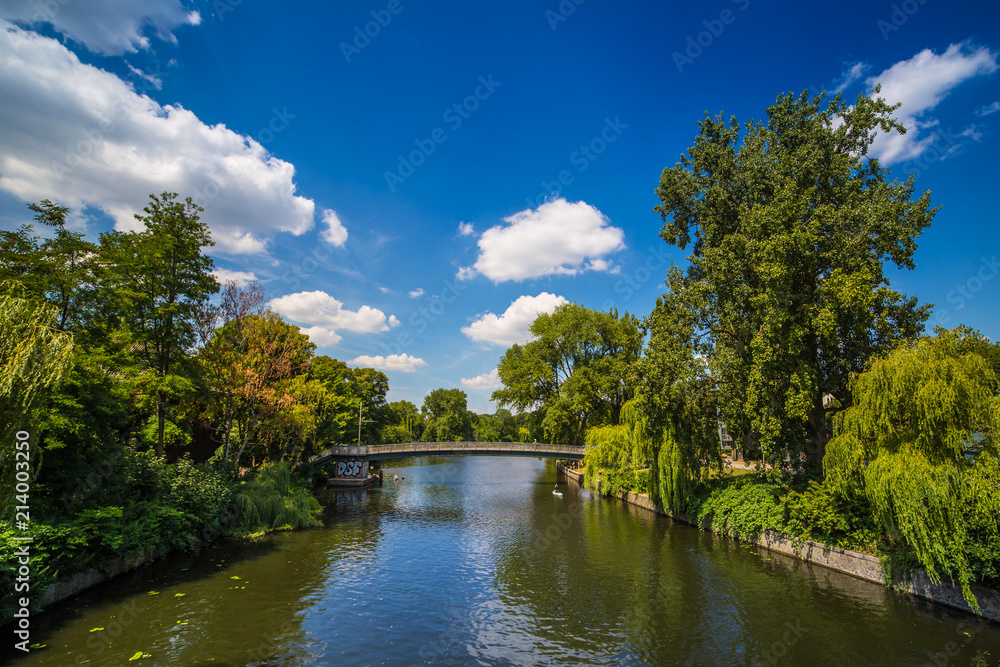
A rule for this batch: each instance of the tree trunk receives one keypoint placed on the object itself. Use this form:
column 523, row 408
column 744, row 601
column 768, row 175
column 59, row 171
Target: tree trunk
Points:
column 159, row 427
column 817, row 425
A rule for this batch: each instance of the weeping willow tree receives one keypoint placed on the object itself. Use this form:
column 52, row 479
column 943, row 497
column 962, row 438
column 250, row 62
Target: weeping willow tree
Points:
column 920, row 442
column 34, row 356
column 679, row 397
column 616, row 453
column 275, row 500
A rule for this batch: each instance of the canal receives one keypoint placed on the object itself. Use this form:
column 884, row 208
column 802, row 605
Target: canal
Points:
column 473, row 561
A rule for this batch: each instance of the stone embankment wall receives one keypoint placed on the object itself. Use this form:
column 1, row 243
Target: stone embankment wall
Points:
column 854, row 563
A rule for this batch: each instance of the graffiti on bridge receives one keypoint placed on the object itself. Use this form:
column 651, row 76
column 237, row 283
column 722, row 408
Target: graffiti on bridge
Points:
column 354, row 468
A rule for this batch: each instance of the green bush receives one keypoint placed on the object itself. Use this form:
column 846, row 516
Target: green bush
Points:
column 199, row 491
column 742, row 508
column 819, row 513
column 275, row 500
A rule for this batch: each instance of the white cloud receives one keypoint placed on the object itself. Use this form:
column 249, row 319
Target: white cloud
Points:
column 484, row 382
column 466, row 229
column 988, row 109
column 855, row 72
column 322, row 336
column 150, row 77
column 335, row 232
column 920, row 83
column 394, row 321
column 240, row 277
column 403, row 363
column 557, row 238
column 109, row 27
column 83, row 137
column 417, row 293
column 513, row 326
column 465, row 273
column 320, row 309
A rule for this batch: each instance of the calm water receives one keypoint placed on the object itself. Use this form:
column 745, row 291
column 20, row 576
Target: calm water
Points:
column 474, row 561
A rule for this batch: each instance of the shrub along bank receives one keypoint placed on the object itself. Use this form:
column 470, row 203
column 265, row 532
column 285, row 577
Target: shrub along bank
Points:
column 148, row 506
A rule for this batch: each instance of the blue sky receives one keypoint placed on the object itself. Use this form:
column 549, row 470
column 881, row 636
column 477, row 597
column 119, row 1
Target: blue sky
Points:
column 413, row 181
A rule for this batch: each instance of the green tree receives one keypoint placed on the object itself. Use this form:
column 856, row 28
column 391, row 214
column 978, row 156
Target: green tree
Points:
column 259, row 356
column 370, row 387
column 340, row 411
column 67, row 266
column 448, row 416
column 498, row 427
column 678, row 398
column 575, row 370
column 922, row 443
column 34, row 357
column 791, row 223
column 162, row 280
column 406, row 416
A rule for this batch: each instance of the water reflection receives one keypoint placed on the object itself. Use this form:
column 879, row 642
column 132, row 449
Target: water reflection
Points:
column 474, row 561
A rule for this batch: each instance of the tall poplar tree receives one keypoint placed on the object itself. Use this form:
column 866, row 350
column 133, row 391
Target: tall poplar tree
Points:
column 790, row 224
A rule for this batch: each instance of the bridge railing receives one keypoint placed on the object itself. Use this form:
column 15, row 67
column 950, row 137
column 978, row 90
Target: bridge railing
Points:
column 431, row 447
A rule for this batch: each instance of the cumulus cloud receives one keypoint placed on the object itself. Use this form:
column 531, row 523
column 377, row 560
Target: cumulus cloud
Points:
column 484, row 382
column 417, row 293
column 513, row 325
column 322, row 336
column 83, row 137
column 465, row 273
column 557, row 238
column 108, row 27
column 920, row 84
column 325, row 315
column 335, row 232
column 241, row 278
column 466, row 229
column 394, row 321
column 403, row 363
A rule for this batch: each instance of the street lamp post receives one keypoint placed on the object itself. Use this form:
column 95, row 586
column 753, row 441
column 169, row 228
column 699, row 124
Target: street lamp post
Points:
column 366, row 421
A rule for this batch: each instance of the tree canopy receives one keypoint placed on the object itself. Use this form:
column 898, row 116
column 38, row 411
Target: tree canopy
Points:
column 575, row 370
column 790, row 223
column 922, row 443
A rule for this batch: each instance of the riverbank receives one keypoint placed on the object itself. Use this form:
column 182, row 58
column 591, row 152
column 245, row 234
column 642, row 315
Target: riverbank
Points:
column 854, row 563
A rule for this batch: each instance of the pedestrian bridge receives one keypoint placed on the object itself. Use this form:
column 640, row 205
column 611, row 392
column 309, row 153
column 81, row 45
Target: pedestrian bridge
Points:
column 410, row 449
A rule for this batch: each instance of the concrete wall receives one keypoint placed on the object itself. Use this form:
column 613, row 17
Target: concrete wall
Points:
column 856, row 564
